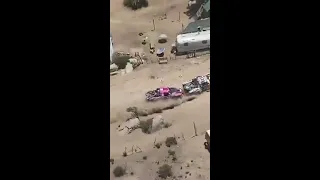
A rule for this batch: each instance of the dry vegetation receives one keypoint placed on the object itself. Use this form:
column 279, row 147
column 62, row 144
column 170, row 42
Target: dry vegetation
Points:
column 119, row 171
column 135, row 4
column 165, row 171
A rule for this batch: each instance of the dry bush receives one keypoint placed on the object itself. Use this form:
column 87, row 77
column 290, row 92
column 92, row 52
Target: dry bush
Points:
column 112, row 161
column 171, row 141
column 158, row 145
column 174, row 158
column 171, row 152
column 119, row 171
column 167, row 125
column 124, row 154
column 152, row 77
column 120, row 61
column 146, row 126
column 144, row 157
column 165, row 171
column 135, row 4
column 132, row 109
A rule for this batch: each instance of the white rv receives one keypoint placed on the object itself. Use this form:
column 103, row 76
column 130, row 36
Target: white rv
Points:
column 111, row 48
column 193, row 41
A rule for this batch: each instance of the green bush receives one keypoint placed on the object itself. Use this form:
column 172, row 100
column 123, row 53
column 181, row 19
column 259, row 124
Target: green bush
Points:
column 135, row 4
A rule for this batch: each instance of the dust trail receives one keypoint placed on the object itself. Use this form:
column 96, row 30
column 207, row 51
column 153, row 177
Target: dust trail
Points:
column 144, row 109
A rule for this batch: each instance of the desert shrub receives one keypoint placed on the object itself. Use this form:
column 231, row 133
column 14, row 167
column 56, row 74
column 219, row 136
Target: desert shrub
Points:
column 144, row 157
column 132, row 109
column 146, row 126
column 112, row 161
column 135, row 4
column 167, row 125
column 165, row 171
column 171, row 152
column 121, row 61
column 158, row 145
column 171, row 141
column 119, row 171
column 155, row 110
column 174, row 158
column 152, row 77
column 124, row 154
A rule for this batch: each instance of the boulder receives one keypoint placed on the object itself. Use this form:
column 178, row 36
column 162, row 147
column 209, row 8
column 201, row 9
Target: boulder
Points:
column 113, row 67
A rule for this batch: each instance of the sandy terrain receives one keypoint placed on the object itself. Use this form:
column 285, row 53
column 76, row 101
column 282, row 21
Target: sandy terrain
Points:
column 192, row 159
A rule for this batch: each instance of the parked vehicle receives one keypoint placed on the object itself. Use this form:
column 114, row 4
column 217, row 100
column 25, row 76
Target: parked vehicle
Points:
column 193, row 41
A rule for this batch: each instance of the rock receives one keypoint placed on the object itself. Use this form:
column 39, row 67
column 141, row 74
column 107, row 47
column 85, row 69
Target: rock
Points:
column 113, row 67
column 133, row 60
column 129, row 68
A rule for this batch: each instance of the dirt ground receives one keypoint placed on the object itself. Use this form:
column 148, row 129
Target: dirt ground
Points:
column 127, row 24
column 192, row 159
